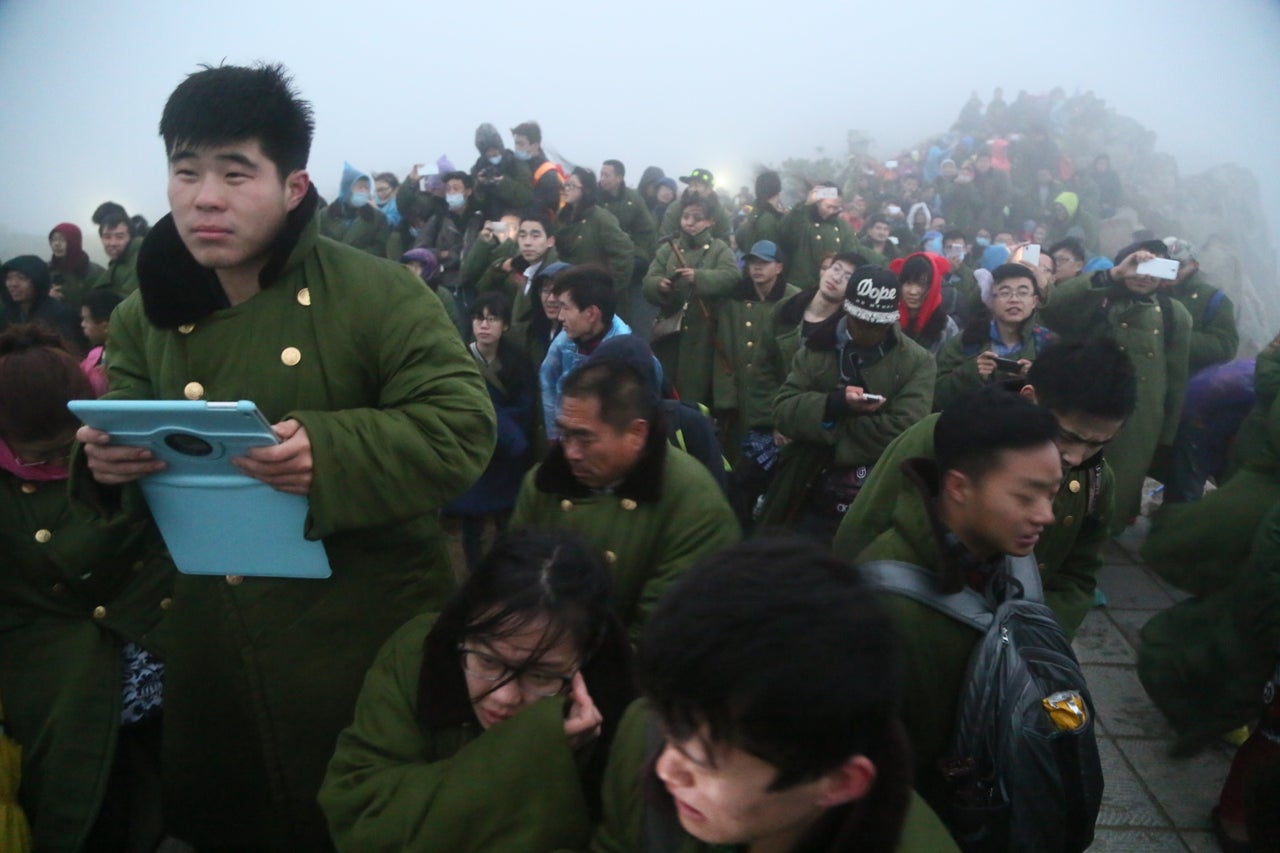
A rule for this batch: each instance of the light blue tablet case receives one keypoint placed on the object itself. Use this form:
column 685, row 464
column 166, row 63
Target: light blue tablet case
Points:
column 215, row 520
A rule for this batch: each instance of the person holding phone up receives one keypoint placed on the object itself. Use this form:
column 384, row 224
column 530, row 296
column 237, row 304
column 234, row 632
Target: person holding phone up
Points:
column 1000, row 342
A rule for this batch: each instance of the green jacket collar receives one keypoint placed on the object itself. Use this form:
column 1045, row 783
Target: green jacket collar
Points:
column 177, row 289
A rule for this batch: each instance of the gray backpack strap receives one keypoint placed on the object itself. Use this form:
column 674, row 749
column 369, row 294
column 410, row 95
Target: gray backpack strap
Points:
column 1026, row 571
column 919, row 584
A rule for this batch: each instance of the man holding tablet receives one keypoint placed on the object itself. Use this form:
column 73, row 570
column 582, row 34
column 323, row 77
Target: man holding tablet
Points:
column 381, row 416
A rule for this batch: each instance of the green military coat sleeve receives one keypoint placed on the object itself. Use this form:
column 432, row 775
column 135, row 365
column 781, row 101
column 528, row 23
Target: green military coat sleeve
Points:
column 391, row 786
column 746, row 324
column 1214, row 337
column 648, row 543
column 717, row 275
column 597, row 238
column 635, row 219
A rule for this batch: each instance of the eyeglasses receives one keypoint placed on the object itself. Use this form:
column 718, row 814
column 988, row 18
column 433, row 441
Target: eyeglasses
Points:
column 487, row 320
column 1009, row 293
column 537, row 682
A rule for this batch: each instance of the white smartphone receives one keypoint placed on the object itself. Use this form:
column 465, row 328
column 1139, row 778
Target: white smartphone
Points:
column 1159, row 268
column 873, row 398
column 891, row 164
column 1031, row 254
column 826, row 193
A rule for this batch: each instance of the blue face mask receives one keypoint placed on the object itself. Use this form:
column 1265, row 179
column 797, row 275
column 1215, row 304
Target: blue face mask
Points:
column 455, row 200
column 359, row 199
column 522, row 154
column 983, row 241
column 495, row 160
column 934, row 246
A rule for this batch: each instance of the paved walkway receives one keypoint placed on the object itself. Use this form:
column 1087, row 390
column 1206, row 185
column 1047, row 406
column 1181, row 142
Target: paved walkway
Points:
column 1151, row 801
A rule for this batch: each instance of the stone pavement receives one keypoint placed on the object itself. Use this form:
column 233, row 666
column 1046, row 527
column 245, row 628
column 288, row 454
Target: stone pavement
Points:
column 1151, row 801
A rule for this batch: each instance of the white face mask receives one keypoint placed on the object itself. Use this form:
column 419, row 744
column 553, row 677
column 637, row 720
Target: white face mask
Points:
column 522, row 154
column 495, row 160
column 455, row 200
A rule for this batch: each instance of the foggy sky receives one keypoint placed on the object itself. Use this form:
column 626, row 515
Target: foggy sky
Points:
column 678, row 84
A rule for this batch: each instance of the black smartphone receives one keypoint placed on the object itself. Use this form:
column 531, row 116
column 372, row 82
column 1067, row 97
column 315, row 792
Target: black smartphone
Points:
column 1008, row 365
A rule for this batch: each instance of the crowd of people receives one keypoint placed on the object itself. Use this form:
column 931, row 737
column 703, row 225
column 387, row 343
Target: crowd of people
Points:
column 673, row 431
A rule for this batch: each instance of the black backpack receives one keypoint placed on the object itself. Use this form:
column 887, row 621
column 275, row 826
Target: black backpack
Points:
column 1022, row 769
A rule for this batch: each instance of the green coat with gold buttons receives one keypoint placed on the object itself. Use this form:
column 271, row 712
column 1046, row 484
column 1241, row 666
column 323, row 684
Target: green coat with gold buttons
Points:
column 690, row 364
column 1068, row 551
column 262, row 672
column 73, row 590
column 666, row 514
column 804, row 239
column 1214, row 337
column 746, row 324
column 1159, row 346
column 634, row 218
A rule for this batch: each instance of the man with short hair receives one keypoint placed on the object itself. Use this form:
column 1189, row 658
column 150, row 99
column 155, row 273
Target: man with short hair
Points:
column 513, row 264
column 546, row 176
column 1069, row 258
column 1090, row 388
column 627, row 207
column 651, row 509
column 752, row 735
column 857, row 383
column 121, row 248
column 987, row 497
column 811, row 231
column 1155, row 331
column 875, row 244
column 587, row 318
column 766, row 213
column 382, row 418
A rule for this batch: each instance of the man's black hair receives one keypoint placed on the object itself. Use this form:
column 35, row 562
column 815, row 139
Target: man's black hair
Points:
column 388, row 178
column 231, row 103
column 974, row 431
column 1155, row 247
column 530, row 130
column 467, row 181
column 618, row 168
column 777, row 648
column 540, row 216
column 1073, row 246
column 851, row 258
column 495, row 303
column 768, row 185
column 1004, row 272
column 879, row 217
column 101, row 302
column 588, row 285
column 1093, row 377
column 954, row 234
column 110, row 214
column 623, row 393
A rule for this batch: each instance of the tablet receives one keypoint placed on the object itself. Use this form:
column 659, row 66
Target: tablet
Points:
column 214, row 519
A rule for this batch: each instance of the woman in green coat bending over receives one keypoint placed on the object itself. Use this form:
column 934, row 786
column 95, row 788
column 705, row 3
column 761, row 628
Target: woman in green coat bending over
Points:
column 486, row 727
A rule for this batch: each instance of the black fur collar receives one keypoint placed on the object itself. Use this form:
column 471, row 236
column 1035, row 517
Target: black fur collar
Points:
column 643, row 483
column 176, row 289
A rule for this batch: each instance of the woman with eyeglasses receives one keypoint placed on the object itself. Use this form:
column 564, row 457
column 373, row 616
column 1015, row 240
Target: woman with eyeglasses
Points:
column 998, row 343
column 487, row 726
column 81, row 595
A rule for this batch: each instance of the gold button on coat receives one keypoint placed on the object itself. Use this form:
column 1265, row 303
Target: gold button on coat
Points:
column 610, row 557
column 628, row 504
column 1074, row 486
column 29, row 488
column 187, row 328
column 193, row 391
column 43, row 536
column 59, row 588
column 304, row 296
column 235, row 580
column 166, row 603
column 99, row 612
column 1069, row 520
column 290, row 356
column 566, row 505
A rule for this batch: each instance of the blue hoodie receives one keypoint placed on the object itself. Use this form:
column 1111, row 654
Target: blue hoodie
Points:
column 350, row 174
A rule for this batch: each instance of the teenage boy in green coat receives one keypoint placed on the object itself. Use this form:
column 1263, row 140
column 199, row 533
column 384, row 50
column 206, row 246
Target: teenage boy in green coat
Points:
column 382, row 418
